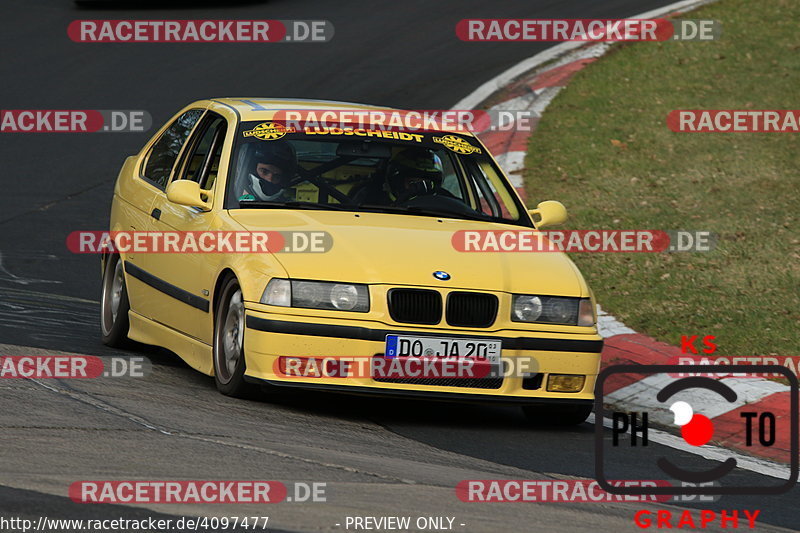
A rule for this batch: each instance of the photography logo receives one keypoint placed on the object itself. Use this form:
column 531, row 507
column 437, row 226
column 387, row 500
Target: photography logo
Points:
column 690, row 401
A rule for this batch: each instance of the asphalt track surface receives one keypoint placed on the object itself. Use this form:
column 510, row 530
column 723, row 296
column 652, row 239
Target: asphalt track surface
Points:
column 378, row 456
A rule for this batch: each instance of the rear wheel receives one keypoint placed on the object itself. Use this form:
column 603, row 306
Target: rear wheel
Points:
column 114, row 305
column 229, row 326
column 557, row 415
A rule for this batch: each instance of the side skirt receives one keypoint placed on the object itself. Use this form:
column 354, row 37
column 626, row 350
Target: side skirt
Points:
column 196, row 354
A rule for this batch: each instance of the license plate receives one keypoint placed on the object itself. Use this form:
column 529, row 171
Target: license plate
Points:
column 409, row 346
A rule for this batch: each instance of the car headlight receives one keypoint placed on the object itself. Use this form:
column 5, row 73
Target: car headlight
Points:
column 317, row 295
column 552, row 310
column 526, row 308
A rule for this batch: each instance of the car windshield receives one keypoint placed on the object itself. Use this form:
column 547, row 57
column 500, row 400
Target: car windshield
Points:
column 354, row 169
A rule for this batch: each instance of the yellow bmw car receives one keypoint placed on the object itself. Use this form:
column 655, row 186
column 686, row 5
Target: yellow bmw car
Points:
column 385, row 283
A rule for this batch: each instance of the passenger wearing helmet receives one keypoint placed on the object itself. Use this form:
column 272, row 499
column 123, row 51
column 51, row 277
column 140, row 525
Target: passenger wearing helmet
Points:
column 272, row 167
column 414, row 172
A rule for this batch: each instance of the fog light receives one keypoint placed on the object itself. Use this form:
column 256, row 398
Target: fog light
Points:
column 565, row 383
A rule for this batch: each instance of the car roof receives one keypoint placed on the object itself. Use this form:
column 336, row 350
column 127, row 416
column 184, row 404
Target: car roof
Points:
column 261, row 108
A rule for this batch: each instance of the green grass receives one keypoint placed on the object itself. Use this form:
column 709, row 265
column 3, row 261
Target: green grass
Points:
column 604, row 150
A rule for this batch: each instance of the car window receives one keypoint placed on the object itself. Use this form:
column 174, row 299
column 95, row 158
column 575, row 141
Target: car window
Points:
column 200, row 161
column 451, row 183
column 162, row 156
column 357, row 169
column 485, row 195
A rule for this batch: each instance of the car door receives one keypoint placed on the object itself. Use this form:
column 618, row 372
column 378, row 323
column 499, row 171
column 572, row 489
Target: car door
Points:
column 150, row 181
column 186, row 279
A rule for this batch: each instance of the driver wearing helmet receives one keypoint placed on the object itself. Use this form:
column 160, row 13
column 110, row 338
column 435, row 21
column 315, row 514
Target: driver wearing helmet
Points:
column 271, row 169
column 414, row 172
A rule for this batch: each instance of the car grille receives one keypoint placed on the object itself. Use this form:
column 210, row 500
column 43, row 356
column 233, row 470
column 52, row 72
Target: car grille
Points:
column 424, row 306
column 415, row 306
column 470, row 383
column 471, row 309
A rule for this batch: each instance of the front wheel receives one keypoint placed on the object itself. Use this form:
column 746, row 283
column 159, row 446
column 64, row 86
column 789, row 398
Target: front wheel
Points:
column 229, row 326
column 114, row 305
column 557, row 415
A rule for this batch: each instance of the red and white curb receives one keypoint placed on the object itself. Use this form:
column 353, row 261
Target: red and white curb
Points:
column 549, row 72
column 534, row 95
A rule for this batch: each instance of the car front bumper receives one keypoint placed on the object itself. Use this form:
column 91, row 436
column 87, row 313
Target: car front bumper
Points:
column 270, row 336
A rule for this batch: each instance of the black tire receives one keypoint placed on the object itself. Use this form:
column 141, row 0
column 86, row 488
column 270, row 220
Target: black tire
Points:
column 229, row 328
column 114, row 304
column 557, row 415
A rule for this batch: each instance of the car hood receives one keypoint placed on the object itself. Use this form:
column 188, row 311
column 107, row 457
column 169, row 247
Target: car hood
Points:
column 398, row 249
